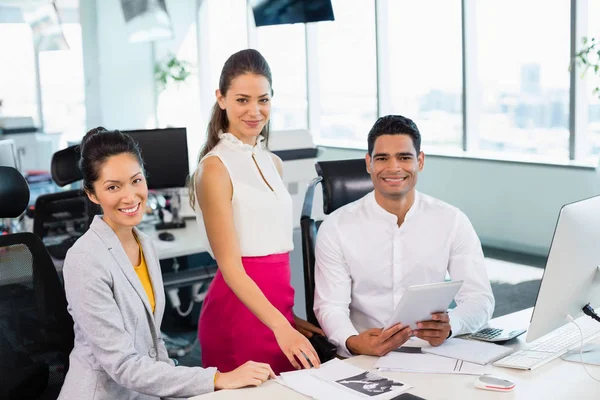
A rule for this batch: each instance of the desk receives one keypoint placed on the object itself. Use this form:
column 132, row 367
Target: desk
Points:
column 556, row 380
column 187, row 242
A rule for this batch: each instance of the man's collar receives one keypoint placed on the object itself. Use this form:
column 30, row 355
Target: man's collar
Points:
column 383, row 215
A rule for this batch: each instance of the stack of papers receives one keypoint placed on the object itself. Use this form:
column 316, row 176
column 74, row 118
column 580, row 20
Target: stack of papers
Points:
column 470, row 350
column 336, row 379
column 429, row 363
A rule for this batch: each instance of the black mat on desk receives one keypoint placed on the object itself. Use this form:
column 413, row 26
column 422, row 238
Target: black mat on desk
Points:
column 511, row 298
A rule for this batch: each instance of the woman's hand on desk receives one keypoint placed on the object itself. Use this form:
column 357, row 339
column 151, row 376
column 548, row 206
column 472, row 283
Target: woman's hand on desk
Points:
column 250, row 374
column 306, row 328
column 296, row 347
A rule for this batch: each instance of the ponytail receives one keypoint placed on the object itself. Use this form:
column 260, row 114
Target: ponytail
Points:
column 218, row 123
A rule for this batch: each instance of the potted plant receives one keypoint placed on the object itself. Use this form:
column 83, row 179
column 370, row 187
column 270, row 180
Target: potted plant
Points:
column 171, row 70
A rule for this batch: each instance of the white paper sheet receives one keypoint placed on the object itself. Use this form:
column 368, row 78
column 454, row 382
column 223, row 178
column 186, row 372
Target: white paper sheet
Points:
column 470, row 350
column 354, row 383
column 429, row 363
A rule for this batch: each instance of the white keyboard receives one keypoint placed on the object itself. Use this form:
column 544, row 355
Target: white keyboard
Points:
column 551, row 346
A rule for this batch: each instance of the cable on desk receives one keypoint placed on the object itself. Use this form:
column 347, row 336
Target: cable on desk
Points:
column 581, row 349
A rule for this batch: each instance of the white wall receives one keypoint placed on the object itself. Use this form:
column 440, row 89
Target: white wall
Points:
column 513, row 206
column 119, row 81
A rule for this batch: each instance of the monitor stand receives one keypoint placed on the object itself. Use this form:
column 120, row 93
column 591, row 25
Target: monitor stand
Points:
column 591, row 351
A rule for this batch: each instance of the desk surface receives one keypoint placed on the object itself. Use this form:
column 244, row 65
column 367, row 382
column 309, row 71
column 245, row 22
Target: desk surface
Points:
column 556, row 380
column 187, row 241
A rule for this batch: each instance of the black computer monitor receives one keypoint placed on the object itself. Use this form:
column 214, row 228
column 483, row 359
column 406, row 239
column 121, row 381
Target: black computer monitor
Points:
column 165, row 154
column 277, row 12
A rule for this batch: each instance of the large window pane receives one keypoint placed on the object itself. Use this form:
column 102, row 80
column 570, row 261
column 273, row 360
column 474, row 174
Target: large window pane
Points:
column 61, row 78
column 228, row 32
column 522, row 60
column 426, row 68
column 347, row 74
column 594, row 81
column 17, row 72
column 284, row 47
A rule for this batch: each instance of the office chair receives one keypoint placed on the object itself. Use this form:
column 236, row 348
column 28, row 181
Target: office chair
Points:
column 342, row 182
column 36, row 330
column 66, row 213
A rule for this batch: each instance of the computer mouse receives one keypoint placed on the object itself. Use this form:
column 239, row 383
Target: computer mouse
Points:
column 490, row 382
column 166, row 236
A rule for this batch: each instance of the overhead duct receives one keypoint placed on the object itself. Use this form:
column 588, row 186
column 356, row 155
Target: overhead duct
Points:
column 147, row 20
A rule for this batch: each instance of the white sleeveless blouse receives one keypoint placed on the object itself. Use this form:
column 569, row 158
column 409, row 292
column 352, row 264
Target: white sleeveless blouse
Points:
column 262, row 215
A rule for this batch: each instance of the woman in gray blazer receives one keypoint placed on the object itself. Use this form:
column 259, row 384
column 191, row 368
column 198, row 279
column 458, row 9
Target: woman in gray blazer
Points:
column 115, row 292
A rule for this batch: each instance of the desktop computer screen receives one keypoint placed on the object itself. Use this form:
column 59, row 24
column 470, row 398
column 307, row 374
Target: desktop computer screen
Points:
column 165, row 154
column 572, row 277
column 7, row 154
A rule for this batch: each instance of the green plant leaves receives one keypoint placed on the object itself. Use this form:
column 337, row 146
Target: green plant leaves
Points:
column 171, row 69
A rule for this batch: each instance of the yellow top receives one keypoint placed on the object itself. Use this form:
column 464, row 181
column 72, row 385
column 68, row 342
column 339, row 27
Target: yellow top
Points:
column 142, row 273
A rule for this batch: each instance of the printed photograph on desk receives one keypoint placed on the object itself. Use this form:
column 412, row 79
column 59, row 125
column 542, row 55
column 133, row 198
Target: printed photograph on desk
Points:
column 370, row 384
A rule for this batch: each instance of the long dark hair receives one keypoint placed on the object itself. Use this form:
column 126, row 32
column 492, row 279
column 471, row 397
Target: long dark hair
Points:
column 248, row 61
column 97, row 146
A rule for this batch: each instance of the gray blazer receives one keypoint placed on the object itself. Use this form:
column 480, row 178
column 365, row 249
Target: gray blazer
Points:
column 119, row 352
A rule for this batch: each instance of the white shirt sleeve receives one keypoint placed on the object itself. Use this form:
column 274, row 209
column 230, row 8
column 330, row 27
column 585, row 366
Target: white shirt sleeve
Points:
column 475, row 301
column 333, row 287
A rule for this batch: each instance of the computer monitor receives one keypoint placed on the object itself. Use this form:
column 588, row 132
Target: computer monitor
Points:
column 8, row 157
column 165, row 154
column 276, row 12
column 572, row 277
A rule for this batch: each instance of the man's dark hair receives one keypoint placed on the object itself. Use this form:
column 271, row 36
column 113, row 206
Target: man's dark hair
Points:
column 394, row 125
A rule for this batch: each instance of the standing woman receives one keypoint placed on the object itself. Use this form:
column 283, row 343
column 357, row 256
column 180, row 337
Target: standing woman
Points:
column 246, row 211
column 115, row 292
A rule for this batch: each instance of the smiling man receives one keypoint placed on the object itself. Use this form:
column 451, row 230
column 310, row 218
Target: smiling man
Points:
column 370, row 251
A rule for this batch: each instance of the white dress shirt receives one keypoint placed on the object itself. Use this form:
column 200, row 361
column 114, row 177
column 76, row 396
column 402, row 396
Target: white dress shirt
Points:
column 365, row 262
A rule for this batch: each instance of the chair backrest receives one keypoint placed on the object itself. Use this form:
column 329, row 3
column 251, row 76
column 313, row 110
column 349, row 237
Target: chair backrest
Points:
column 343, row 182
column 36, row 330
column 14, row 193
column 70, row 208
column 64, row 166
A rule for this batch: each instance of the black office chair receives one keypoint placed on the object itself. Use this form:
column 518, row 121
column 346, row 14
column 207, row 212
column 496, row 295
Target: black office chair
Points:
column 36, row 330
column 70, row 210
column 343, row 182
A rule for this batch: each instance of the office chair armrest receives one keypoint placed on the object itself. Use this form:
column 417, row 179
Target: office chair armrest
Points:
column 324, row 348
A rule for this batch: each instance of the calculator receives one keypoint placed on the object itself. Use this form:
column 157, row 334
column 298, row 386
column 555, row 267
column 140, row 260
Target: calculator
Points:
column 496, row 335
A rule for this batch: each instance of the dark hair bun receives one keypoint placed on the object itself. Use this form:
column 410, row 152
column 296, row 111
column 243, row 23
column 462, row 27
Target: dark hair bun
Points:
column 97, row 146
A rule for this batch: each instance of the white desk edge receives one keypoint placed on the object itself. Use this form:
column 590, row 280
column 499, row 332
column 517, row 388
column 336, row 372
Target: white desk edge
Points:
column 556, row 380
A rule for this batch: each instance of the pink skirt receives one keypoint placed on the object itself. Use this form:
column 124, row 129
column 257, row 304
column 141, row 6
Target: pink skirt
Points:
column 230, row 334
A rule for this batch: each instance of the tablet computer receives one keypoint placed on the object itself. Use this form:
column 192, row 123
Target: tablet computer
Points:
column 420, row 301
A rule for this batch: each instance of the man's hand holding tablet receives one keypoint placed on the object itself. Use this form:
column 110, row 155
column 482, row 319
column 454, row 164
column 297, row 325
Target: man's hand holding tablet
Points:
column 435, row 331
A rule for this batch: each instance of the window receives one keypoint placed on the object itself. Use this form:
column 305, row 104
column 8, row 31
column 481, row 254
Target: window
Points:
column 228, row 31
column 594, row 82
column 17, row 72
column 284, row 47
column 523, row 75
column 425, row 63
column 347, row 68
column 62, row 83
